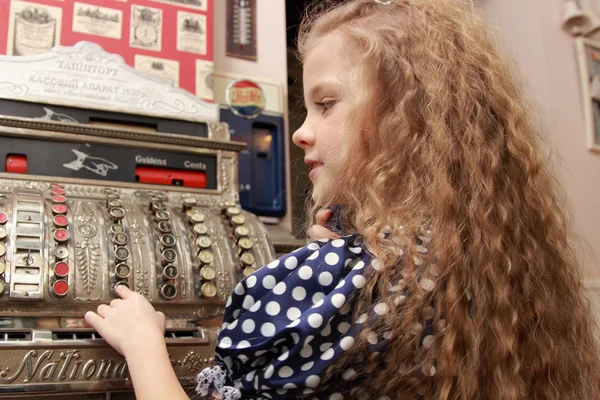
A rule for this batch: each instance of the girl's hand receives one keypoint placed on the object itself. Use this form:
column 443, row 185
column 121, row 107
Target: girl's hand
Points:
column 129, row 324
column 319, row 231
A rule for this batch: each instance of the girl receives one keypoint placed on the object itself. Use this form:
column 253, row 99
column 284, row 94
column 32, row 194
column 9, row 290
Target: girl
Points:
column 463, row 282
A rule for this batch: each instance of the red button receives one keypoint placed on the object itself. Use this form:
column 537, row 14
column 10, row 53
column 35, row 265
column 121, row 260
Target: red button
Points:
column 3, row 218
column 61, row 269
column 59, row 199
column 59, row 209
column 61, row 235
column 60, row 288
column 57, row 192
column 57, row 185
column 61, row 221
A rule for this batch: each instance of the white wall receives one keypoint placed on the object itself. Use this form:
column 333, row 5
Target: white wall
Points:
column 271, row 63
column 533, row 34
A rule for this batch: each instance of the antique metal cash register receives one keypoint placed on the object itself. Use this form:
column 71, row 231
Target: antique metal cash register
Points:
column 109, row 178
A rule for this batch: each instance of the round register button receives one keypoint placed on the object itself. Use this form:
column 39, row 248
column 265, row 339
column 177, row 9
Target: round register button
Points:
column 61, row 269
column 206, row 257
column 61, row 252
column 60, row 221
column 59, row 199
column 238, row 220
column 245, row 243
column 200, row 229
column 168, row 240
column 2, row 249
column 168, row 291
column 58, row 209
column 208, row 273
column 60, row 288
column 3, row 218
column 120, row 239
column 57, row 192
column 3, row 233
column 61, row 235
column 208, row 290
column 170, row 272
column 248, row 258
column 116, row 213
column 2, row 267
column 169, row 256
column 203, row 242
column 165, row 227
column 122, row 271
column 117, row 228
column 122, row 253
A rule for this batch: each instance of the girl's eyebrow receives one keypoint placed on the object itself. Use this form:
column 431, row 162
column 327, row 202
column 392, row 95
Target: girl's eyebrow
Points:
column 322, row 86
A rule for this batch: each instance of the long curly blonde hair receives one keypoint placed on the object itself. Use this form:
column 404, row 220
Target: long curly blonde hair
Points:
column 439, row 130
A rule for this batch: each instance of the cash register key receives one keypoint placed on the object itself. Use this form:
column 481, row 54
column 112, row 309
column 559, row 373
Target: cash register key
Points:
column 165, row 227
column 57, row 191
column 114, row 203
column 158, row 206
column 116, row 213
column 1, row 288
column 170, row 272
column 121, row 283
column 208, row 273
column 200, row 229
column 59, row 199
column 197, row 218
column 112, row 195
column 61, row 235
column 2, row 267
column 245, row 243
column 168, row 291
column 238, row 220
column 3, row 218
column 189, row 202
column 158, row 198
column 248, row 271
column 169, row 256
column 229, row 204
column 203, row 242
column 60, row 221
column 231, row 211
column 208, row 290
column 57, row 185
column 122, row 253
column 60, row 288
column 61, row 269
column 3, row 233
column 59, row 209
column 206, row 257
column 61, row 252
column 162, row 215
column 248, row 258
column 168, row 240
column 241, row 231
column 117, row 228
column 120, row 239
column 2, row 249
column 122, row 271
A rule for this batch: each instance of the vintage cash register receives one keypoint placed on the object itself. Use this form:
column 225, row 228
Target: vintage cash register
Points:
column 107, row 178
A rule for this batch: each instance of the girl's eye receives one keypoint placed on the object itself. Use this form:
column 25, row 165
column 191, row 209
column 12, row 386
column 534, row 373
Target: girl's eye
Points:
column 325, row 106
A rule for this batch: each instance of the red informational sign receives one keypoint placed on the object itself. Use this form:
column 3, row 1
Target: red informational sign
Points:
column 171, row 39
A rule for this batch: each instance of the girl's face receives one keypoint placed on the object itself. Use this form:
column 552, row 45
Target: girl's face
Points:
column 326, row 72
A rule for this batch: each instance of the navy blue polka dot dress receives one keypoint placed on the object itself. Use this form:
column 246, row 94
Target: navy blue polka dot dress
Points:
column 287, row 323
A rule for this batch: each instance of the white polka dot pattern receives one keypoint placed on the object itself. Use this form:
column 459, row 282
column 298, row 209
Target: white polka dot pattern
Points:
column 287, row 323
